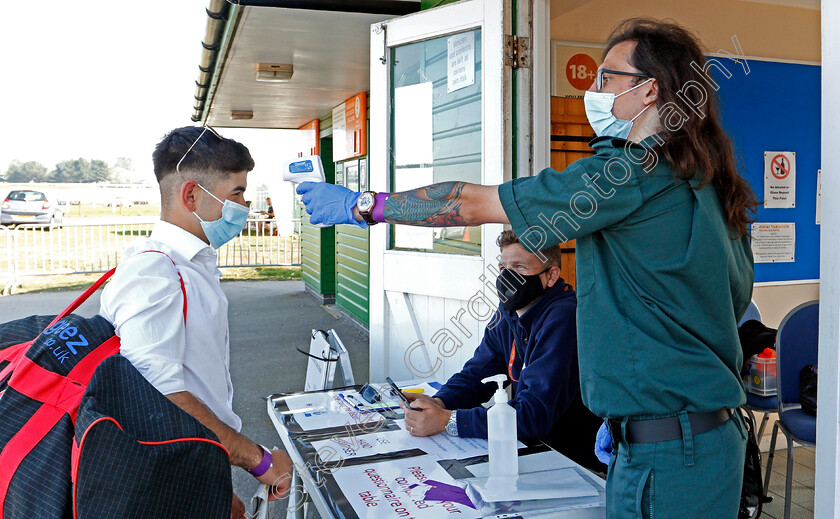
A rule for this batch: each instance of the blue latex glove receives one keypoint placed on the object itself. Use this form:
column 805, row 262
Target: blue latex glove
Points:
column 329, row 204
column 603, row 444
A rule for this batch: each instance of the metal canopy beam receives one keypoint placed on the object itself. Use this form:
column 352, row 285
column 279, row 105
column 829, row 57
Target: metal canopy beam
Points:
column 389, row 7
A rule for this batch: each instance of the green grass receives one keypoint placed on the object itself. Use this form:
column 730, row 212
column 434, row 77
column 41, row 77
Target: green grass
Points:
column 61, row 283
column 260, row 273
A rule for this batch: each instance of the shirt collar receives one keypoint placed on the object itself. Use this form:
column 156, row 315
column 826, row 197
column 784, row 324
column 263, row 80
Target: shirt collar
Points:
column 607, row 142
column 551, row 294
column 179, row 240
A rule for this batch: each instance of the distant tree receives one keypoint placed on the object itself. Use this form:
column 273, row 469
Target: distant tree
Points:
column 100, row 171
column 124, row 163
column 70, row 171
column 81, row 170
column 31, row 171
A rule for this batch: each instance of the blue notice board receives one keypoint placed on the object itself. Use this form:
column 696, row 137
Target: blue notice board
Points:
column 776, row 107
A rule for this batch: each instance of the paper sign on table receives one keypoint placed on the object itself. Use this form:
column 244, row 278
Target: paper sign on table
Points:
column 441, row 445
column 548, row 484
column 324, row 410
column 537, row 462
column 396, row 489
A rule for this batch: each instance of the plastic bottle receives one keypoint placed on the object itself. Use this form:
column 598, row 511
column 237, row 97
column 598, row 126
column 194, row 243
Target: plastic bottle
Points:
column 501, row 432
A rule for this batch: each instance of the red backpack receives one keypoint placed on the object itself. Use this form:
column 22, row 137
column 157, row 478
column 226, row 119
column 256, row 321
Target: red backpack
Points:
column 46, row 367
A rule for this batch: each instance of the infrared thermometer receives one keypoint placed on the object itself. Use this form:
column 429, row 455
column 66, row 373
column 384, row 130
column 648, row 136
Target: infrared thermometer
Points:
column 304, row 169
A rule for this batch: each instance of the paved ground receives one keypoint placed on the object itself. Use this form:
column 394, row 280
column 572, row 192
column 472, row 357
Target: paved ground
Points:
column 802, row 493
column 268, row 319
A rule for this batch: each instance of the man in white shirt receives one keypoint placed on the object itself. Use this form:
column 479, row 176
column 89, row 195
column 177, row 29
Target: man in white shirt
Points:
column 182, row 347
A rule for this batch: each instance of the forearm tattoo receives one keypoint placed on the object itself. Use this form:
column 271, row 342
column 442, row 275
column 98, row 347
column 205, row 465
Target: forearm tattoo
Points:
column 438, row 205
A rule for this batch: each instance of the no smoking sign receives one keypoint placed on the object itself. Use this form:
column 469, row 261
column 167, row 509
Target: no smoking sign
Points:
column 779, row 179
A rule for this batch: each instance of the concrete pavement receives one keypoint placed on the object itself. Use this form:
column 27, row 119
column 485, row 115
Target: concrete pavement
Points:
column 268, row 319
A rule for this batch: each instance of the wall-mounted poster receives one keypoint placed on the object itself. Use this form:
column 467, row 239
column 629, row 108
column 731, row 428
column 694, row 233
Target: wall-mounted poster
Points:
column 349, row 121
column 339, row 174
column 773, row 242
column 310, row 139
column 779, row 179
column 573, row 68
column 819, row 193
column 460, row 61
column 351, row 175
column 413, row 124
column 363, row 179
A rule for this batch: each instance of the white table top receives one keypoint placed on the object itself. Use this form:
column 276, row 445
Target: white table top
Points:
column 302, row 419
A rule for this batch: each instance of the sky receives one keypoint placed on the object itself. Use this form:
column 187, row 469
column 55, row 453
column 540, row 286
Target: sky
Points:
column 101, row 79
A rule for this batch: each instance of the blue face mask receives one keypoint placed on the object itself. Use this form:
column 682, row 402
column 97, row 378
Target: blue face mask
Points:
column 599, row 107
column 227, row 227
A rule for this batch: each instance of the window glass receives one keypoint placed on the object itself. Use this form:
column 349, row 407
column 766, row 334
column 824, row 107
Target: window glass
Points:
column 436, row 128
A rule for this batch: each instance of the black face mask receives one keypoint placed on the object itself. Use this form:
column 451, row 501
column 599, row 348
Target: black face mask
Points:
column 517, row 291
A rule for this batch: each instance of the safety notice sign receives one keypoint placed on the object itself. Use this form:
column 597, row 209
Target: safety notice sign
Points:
column 773, row 242
column 779, row 179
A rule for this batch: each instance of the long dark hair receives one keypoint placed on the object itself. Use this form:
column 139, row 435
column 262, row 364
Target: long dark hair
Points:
column 698, row 147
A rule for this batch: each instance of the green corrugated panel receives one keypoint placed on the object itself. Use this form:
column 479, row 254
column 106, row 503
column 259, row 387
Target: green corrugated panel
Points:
column 318, row 244
column 352, row 257
column 318, row 257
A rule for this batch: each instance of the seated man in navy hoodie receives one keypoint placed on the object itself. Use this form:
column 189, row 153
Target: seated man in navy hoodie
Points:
column 532, row 338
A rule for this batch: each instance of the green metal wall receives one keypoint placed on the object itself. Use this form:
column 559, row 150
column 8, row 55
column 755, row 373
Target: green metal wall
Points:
column 352, row 272
column 352, row 250
column 318, row 258
column 318, row 244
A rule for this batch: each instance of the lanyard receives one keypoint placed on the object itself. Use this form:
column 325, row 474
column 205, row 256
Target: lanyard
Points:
column 513, row 353
column 512, row 358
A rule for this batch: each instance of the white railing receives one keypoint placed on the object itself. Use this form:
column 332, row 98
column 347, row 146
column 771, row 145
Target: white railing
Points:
column 73, row 248
column 7, row 263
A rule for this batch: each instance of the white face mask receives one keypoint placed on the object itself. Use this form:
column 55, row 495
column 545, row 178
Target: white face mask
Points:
column 599, row 107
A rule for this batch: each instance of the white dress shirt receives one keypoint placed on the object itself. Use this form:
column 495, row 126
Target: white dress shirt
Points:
column 145, row 304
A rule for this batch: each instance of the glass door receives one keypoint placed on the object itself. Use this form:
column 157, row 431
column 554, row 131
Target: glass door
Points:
column 440, row 111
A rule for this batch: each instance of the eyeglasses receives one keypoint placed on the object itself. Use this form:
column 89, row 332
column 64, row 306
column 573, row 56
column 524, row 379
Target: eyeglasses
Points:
column 205, row 128
column 599, row 78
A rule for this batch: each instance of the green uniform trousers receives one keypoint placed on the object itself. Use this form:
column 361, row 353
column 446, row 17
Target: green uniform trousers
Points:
column 693, row 477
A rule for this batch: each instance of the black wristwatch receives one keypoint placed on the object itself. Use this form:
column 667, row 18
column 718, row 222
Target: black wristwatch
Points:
column 365, row 205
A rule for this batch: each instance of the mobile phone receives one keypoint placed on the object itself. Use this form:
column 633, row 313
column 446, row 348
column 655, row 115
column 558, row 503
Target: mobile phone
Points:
column 397, row 391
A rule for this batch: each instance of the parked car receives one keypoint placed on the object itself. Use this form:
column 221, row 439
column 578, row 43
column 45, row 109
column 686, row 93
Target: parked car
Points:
column 27, row 206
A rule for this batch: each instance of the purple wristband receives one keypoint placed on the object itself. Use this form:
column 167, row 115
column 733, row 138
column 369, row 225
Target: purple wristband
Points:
column 378, row 212
column 264, row 465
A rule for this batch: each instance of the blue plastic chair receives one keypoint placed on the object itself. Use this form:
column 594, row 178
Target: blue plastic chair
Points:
column 755, row 403
column 796, row 347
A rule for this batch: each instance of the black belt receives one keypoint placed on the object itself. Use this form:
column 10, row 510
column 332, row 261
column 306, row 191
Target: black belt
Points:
column 666, row 429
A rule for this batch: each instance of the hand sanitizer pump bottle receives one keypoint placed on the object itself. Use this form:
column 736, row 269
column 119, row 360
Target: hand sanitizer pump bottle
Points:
column 501, row 432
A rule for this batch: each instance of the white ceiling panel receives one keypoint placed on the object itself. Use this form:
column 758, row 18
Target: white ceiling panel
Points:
column 330, row 52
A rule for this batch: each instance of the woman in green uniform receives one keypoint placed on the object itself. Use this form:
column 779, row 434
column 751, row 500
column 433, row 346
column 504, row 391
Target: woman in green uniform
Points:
column 664, row 267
